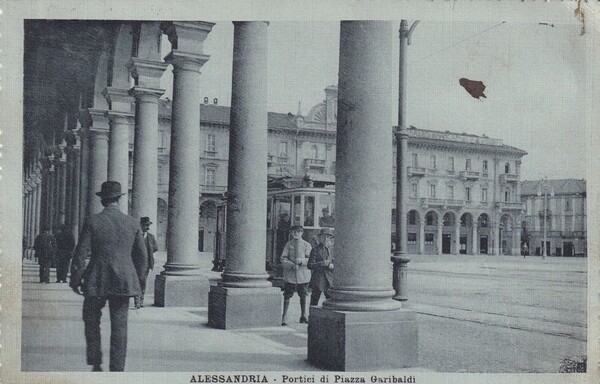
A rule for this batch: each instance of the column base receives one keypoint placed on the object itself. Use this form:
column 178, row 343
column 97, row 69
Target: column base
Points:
column 233, row 308
column 181, row 291
column 362, row 341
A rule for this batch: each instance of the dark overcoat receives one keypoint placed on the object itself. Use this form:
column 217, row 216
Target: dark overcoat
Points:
column 44, row 246
column 151, row 247
column 117, row 255
column 318, row 262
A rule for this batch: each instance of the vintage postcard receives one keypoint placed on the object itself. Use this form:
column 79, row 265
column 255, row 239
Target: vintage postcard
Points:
column 299, row 192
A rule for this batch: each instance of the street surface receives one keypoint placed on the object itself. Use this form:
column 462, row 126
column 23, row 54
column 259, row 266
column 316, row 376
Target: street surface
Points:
column 475, row 314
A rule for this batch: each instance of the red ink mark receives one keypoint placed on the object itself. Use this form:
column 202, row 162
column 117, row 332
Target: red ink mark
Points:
column 474, row 87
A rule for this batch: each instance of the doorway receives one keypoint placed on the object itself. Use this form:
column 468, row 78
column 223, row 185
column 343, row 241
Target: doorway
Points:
column 568, row 248
column 463, row 244
column 446, row 243
column 483, row 245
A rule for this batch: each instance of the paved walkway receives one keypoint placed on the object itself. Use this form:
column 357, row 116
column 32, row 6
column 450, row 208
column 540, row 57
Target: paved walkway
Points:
column 178, row 339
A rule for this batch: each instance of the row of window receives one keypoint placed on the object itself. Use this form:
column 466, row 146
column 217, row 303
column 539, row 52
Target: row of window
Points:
column 449, row 192
column 468, row 163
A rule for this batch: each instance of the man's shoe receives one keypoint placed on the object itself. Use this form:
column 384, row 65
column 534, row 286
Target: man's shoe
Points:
column 303, row 320
column 284, row 323
column 97, row 368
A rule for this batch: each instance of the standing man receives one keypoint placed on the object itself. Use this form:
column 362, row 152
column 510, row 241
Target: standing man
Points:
column 65, row 243
column 296, row 275
column 320, row 263
column 115, row 245
column 151, row 247
column 45, row 251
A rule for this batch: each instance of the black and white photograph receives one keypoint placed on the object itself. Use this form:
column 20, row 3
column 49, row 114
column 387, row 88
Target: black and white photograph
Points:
column 275, row 194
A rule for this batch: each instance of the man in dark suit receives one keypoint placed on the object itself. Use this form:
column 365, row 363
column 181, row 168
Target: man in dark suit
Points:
column 65, row 242
column 45, row 251
column 320, row 263
column 117, row 261
column 151, row 247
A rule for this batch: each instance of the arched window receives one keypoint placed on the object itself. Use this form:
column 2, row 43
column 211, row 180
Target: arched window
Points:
column 507, row 167
column 507, row 196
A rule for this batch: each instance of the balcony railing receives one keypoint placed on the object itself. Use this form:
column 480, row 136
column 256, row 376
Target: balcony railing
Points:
column 219, row 189
column 210, row 154
column 454, row 203
column 509, row 178
column 510, row 206
column 433, row 202
column 469, row 175
column 314, row 163
column 417, row 171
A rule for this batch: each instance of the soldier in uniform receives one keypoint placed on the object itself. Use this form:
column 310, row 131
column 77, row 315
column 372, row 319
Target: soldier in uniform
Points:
column 296, row 275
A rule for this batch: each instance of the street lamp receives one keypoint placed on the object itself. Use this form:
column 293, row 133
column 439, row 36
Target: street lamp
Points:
column 543, row 189
column 399, row 257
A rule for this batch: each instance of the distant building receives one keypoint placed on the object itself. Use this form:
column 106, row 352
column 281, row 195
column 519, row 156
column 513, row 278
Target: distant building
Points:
column 464, row 189
column 566, row 231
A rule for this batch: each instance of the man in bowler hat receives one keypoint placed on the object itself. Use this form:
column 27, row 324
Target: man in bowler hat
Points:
column 151, row 247
column 117, row 255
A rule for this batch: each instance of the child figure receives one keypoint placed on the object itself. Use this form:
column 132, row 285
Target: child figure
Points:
column 296, row 275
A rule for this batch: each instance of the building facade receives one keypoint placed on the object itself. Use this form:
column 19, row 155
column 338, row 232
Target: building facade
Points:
column 564, row 203
column 464, row 189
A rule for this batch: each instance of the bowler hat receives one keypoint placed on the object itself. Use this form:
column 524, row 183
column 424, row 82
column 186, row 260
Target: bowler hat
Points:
column 110, row 189
column 145, row 220
column 326, row 231
column 296, row 228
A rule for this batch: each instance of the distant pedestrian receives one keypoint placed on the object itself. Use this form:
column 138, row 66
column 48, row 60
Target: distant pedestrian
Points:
column 524, row 250
column 45, row 252
column 296, row 275
column 320, row 263
column 151, row 247
column 65, row 242
column 115, row 245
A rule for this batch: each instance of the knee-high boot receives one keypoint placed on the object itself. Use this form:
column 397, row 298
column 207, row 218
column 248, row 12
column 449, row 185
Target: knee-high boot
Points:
column 303, row 310
column 286, row 305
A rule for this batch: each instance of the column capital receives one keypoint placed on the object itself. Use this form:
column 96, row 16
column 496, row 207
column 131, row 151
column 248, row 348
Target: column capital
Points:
column 143, row 94
column 118, row 99
column 186, row 61
column 187, row 36
column 146, row 73
column 97, row 119
column 120, row 117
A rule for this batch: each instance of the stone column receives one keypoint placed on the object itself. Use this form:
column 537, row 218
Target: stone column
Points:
column 422, row 236
column 98, row 159
column 62, row 188
column 145, row 152
column 51, row 194
column 245, row 278
column 457, row 235
column 439, row 235
column 26, row 209
column 38, row 202
column 84, row 172
column 475, row 240
column 360, row 327
column 180, row 283
column 73, row 160
column 498, row 238
column 118, row 154
column 516, row 251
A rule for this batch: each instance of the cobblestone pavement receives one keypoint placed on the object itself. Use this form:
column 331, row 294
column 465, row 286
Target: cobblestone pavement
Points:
column 475, row 314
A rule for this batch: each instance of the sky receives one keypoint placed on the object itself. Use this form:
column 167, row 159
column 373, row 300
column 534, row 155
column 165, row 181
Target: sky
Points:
column 534, row 76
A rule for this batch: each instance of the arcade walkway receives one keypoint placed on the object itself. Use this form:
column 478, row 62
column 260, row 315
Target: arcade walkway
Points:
column 475, row 314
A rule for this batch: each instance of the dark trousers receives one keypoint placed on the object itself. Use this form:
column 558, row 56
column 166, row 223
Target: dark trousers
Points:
column 62, row 267
column 316, row 295
column 44, row 273
column 139, row 300
column 92, row 312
